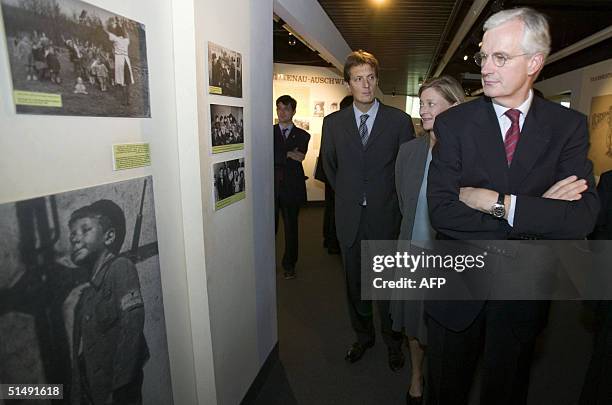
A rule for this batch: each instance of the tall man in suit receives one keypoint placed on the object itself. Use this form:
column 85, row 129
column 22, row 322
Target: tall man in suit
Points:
column 360, row 144
column 290, row 147
column 508, row 165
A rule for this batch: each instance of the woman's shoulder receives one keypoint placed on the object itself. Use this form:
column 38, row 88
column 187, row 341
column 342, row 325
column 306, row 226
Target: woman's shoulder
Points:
column 414, row 145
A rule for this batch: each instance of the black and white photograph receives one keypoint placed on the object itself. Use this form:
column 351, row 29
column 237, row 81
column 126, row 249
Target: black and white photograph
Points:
column 224, row 71
column 319, row 109
column 229, row 182
column 80, row 295
column 68, row 57
column 301, row 123
column 226, row 128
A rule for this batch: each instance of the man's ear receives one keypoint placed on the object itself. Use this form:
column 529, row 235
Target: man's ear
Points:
column 109, row 237
column 536, row 63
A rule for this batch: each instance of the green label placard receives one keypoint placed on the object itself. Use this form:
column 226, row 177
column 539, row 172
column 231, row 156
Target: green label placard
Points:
column 229, row 200
column 215, row 90
column 131, row 155
column 37, row 99
column 227, row 148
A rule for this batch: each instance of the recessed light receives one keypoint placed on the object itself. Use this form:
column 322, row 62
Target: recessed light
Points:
column 465, row 57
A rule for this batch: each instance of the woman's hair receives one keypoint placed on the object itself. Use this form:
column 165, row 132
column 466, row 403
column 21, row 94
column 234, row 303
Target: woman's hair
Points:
column 358, row 58
column 447, row 86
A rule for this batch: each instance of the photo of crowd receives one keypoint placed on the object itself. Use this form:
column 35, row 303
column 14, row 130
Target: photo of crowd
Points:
column 229, row 181
column 224, row 71
column 90, row 61
column 226, row 128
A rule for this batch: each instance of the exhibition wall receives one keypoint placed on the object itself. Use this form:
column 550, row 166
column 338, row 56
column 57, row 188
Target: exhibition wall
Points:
column 215, row 251
column 45, row 155
column 590, row 90
column 318, row 92
column 217, row 277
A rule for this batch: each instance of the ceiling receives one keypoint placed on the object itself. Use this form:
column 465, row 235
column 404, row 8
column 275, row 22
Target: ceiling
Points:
column 410, row 37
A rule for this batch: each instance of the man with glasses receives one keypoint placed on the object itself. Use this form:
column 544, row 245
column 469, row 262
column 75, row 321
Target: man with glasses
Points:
column 528, row 156
column 360, row 144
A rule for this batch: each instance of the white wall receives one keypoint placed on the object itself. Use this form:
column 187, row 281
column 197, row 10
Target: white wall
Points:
column 217, row 268
column 41, row 155
column 239, row 239
column 591, row 94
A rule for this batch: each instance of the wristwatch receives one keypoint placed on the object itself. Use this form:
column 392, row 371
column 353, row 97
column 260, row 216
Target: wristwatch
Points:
column 498, row 210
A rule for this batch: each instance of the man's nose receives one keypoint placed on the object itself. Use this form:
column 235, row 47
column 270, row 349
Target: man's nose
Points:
column 487, row 66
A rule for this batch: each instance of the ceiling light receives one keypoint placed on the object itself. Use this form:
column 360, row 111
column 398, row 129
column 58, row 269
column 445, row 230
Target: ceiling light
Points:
column 378, row 2
column 292, row 40
column 465, row 57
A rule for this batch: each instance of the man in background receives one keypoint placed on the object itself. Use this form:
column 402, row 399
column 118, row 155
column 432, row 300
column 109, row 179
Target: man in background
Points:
column 290, row 147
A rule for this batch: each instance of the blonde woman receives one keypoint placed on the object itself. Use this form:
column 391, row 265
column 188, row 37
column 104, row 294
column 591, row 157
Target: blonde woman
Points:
column 411, row 167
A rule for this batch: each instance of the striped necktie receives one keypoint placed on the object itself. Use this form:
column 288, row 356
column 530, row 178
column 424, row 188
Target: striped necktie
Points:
column 512, row 135
column 363, row 129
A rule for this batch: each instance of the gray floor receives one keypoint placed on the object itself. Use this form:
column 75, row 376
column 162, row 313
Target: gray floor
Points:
column 314, row 332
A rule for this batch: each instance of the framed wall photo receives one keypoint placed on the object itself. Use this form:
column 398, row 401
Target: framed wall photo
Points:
column 228, row 182
column 600, row 121
column 224, row 71
column 80, row 293
column 68, row 57
column 226, row 128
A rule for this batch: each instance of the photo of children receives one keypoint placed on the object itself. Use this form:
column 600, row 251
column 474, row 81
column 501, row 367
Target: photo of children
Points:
column 226, row 128
column 229, row 182
column 224, row 71
column 68, row 57
column 80, row 295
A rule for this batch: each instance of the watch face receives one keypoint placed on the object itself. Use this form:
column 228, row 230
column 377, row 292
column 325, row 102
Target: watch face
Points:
column 498, row 211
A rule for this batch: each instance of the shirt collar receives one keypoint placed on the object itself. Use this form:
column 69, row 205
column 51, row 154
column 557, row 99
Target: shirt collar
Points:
column 371, row 112
column 500, row 110
column 281, row 126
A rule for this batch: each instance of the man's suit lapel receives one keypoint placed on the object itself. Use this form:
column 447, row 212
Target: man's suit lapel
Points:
column 351, row 129
column 490, row 143
column 380, row 123
column 533, row 141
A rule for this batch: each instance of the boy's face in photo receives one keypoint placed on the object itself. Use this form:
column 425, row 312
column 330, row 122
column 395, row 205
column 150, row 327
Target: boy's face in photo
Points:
column 88, row 239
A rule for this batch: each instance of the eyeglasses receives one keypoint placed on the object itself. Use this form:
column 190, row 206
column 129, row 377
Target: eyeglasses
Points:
column 499, row 59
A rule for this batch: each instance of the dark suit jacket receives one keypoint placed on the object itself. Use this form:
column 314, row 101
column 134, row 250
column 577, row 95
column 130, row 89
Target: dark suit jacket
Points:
column 289, row 179
column 603, row 229
column 353, row 171
column 553, row 145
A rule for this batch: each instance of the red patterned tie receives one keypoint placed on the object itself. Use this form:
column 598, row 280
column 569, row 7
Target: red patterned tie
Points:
column 512, row 135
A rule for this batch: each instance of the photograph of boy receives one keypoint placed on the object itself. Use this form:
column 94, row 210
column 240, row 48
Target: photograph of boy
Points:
column 80, row 295
column 108, row 345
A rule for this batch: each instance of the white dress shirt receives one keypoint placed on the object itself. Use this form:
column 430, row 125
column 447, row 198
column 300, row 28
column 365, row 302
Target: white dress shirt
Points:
column 504, row 124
